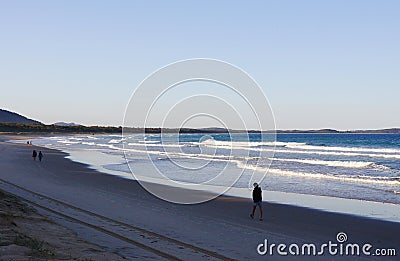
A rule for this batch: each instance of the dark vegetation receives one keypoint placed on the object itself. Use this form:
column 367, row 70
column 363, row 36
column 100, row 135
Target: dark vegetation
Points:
column 42, row 128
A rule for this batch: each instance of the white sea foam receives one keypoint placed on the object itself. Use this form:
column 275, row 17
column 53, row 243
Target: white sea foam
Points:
column 308, row 152
column 241, row 161
column 74, row 138
column 149, row 141
column 252, row 146
column 114, row 141
column 337, row 153
column 240, row 144
column 216, row 157
column 297, row 145
column 105, row 145
column 92, row 137
column 303, row 148
column 68, row 142
column 154, row 144
column 345, row 149
column 356, row 179
column 89, row 143
column 331, row 163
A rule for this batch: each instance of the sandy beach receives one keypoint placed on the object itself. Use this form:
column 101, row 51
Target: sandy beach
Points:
column 152, row 130
column 218, row 229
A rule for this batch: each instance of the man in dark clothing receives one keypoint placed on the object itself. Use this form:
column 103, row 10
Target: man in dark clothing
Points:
column 34, row 154
column 40, row 155
column 257, row 200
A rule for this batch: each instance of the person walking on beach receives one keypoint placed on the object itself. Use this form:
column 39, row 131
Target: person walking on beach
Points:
column 257, row 200
column 40, row 155
column 34, row 154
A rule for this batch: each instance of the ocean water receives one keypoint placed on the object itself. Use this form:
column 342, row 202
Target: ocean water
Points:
column 352, row 166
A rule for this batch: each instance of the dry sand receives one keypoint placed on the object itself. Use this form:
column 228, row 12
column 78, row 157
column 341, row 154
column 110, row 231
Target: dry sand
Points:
column 27, row 235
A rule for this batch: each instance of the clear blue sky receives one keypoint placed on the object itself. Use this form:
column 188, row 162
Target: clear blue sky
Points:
column 323, row 64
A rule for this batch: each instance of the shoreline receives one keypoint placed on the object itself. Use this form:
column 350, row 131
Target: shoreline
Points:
column 351, row 206
column 78, row 184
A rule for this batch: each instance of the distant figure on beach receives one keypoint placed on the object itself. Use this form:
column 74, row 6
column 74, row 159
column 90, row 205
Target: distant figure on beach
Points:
column 34, row 154
column 40, row 155
column 257, row 200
